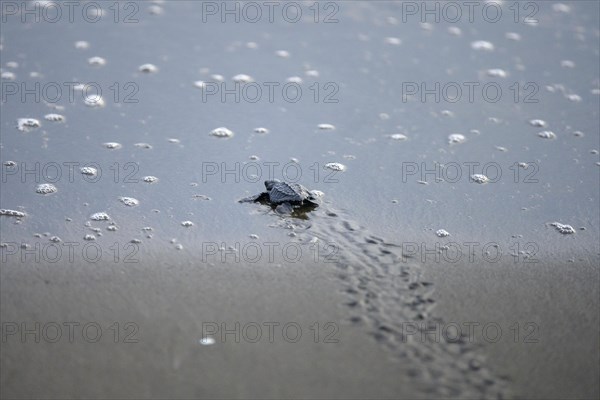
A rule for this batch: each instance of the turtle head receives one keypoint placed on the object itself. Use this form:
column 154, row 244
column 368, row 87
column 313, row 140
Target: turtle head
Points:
column 269, row 184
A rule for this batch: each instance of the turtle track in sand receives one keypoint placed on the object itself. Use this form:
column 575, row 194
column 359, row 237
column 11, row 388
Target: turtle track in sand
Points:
column 384, row 290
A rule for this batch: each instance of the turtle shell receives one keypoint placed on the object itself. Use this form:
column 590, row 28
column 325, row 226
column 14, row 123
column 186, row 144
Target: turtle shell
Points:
column 283, row 192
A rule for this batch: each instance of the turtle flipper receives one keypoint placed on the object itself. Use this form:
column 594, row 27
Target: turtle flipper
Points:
column 284, row 209
column 313, row 199
column 255, row 198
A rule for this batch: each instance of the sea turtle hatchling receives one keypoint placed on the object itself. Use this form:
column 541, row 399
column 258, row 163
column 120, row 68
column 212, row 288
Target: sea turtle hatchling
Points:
column 285, row 196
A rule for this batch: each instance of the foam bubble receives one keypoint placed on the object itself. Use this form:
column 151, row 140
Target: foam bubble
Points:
column 513, row 36
column 394, row 41
column 454, row 30
column 112, row 145
column 398, row 136
column 261, row 130
column 100, row 216
column 242, row 78
column 221, row 132
column 54, row 117
column 8, row 75
column 547, row 135
column 497, row 73
column 442, row 233
column 567, row 64
column 483, row 45
column 155, row 9
column 334, row 166
column 129, row 201
column 561, row 8
column 91, row 171
column 93, row 100
column 480, row 178
column 46, row 188
column 207, row 341
column 96, row 61
column 25, row 124
column 12, row 213
column 326, row 127
column 148, row 68
column 150, row 179
column 563, row 228
column 538, row 123
column 456, row 138
column 82, row 45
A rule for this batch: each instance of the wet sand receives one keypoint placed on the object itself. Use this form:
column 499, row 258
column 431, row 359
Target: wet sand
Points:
column 160, row 356
column 169, row 301
column 554, row 306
